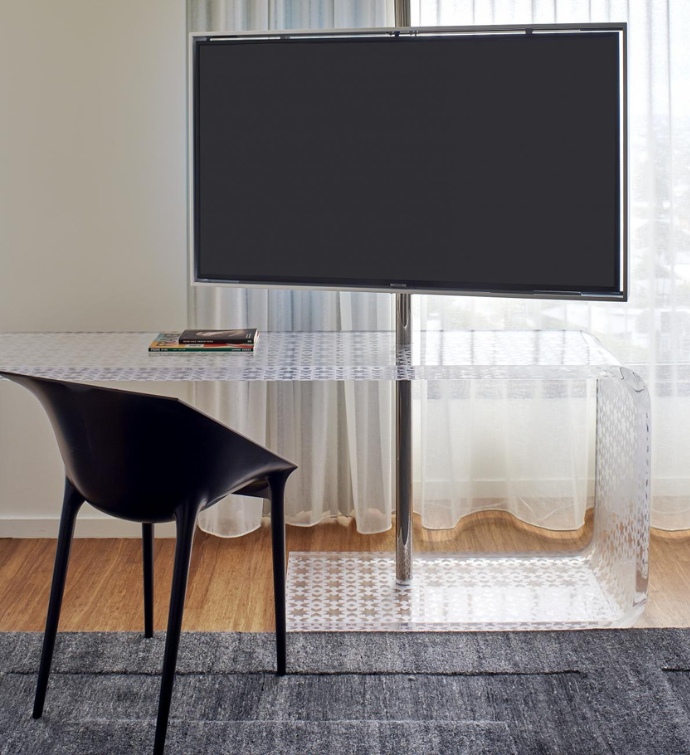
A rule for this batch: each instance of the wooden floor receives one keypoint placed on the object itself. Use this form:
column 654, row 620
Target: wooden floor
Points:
column 230, row 585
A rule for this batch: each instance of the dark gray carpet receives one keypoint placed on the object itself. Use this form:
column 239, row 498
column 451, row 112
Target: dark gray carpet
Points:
column 605, row 691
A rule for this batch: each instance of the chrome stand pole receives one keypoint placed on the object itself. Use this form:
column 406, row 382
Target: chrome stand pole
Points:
column 403, row 442
column 403, row 405
column 403, row 16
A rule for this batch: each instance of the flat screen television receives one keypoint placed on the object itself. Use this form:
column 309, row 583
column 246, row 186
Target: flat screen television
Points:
column 466, row 160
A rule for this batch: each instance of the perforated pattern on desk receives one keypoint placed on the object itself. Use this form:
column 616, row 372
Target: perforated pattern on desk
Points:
column 435, row 355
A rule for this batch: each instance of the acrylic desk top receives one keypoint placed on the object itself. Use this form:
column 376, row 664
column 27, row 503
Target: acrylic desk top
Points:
column 324, row 355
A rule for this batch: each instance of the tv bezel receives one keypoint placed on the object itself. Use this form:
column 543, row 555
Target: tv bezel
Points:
column 621, row 294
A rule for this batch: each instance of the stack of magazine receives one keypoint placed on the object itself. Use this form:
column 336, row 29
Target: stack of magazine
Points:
column 206, row 341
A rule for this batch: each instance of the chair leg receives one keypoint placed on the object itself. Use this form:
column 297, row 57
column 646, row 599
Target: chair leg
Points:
column 277, row 492
column 186, row 524
column 147, row 549
column 70, row 507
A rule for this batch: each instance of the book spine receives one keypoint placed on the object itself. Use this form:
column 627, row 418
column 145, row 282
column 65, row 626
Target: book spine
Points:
column 201, row 350
column 192, row 341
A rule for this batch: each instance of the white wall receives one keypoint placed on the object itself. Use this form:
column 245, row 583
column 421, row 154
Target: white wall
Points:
column 92, row 203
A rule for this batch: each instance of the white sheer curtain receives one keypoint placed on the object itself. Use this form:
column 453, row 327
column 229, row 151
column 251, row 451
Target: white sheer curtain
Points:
column 651, row 332
column 483, row 445
column 338, row 434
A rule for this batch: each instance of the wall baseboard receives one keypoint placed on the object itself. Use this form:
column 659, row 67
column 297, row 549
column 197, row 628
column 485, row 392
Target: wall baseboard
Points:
column 87, row 526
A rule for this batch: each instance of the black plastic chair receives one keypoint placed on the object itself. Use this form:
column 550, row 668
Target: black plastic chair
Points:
column 152, row 459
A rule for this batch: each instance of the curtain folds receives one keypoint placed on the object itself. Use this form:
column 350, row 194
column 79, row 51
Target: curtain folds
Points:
column 521, row 447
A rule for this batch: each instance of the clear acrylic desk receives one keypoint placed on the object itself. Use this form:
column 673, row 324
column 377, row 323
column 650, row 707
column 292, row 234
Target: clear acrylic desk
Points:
column 605, row 584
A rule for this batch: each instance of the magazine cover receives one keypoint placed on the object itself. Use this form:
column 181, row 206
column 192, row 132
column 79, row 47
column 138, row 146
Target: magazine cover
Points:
column 238, row 335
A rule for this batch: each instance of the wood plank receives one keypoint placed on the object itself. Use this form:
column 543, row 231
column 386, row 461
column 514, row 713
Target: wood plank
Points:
column 230, row 585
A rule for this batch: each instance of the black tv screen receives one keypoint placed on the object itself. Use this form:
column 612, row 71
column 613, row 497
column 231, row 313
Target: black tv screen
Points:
column 435, row 161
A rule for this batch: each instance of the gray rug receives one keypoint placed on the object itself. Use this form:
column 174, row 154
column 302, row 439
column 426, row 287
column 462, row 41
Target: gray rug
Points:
column 605, row 691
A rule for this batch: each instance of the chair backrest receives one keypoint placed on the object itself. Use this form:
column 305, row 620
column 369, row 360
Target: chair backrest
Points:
column 140, row 456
